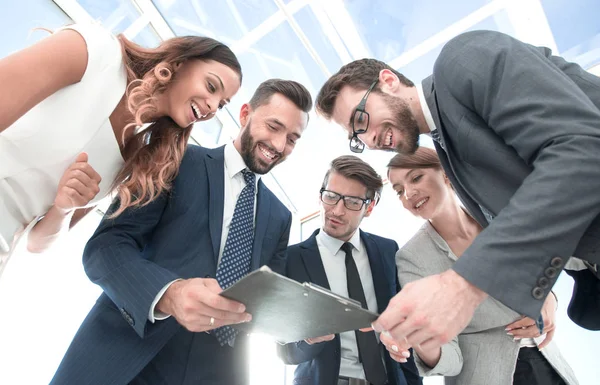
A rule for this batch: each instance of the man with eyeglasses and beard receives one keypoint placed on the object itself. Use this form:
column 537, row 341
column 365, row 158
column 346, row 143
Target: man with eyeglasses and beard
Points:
column 163, row 265
column 517, row 131
column 354, row 264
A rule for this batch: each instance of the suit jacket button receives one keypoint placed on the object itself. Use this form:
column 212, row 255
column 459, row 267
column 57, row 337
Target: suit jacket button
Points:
column 127, row 317
column 550, row 272
column 556, row 262
column 543, row 282
column 538, row 292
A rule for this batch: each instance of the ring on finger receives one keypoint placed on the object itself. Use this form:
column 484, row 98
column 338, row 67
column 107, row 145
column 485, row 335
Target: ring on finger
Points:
column 212, row 321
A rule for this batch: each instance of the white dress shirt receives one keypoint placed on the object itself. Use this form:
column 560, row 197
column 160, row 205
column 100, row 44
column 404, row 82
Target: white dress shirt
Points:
column 426, row 111
column 334, row 262
column 234, row 184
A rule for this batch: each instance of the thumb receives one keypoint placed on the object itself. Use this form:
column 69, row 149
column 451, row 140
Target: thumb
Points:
column 82, row 157
column 213, row 285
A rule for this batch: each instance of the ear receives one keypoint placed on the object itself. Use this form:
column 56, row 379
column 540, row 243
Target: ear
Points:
column 370, row 208
column 245, row 112
column 388, row 81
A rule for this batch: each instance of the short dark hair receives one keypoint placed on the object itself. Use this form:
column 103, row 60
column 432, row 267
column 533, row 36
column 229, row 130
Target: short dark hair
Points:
column 352, row 167
column 424, row 157
column 294, row 91
column 359, row 74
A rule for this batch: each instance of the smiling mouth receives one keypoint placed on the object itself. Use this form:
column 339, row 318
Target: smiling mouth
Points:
column 267, row 152
column 421, row 203
column 387, row 139
column 197, row 111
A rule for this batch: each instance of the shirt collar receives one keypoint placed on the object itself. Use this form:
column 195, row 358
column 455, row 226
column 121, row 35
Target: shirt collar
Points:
column 234, row 163
column 426, row 111
column 334, row 245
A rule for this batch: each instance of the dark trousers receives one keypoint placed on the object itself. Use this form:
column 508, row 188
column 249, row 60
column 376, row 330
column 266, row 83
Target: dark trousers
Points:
column 533, row 369
column 197, row 358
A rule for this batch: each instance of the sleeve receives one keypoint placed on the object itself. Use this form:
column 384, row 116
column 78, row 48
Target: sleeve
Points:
column 113, row 259
column 555, row 128
column 451, row 360
column 295, row 353
column 104, row 49
column 298, row 352
column 411, row 370
column 278, row 262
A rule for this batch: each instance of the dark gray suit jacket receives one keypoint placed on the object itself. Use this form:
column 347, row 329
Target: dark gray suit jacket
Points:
column 521, row 131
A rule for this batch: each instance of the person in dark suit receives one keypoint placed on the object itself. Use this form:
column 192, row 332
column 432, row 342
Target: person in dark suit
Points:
column 354, row 264
column 163, row 265
column 517, row 131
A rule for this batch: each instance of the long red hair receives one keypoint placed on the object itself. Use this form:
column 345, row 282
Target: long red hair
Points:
column 153, row 154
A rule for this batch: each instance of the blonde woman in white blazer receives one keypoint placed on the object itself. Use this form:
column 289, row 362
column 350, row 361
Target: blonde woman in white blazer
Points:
column 499, row 346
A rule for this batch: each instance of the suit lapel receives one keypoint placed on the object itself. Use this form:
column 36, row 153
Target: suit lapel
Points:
column 263, row 207
column 215, row 169
column 312, row 261
column 465, row 197
column 380, row 283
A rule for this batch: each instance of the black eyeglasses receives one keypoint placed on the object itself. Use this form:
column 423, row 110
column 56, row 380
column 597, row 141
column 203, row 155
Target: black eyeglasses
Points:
column 352, row 203
column 360, row 122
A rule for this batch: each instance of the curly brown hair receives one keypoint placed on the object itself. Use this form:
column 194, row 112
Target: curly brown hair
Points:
column 153, row 155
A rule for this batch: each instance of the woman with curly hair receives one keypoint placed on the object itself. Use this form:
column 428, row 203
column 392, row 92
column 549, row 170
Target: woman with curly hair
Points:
column 86, row 113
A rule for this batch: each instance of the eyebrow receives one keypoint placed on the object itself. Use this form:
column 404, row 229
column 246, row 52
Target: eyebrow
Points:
column 276, row 121
column 407, row 175
column 280, row 123
column 220, row 82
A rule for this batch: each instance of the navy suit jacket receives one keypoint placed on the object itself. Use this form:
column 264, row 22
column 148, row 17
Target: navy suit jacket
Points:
column 319, row 364
column 133, row 256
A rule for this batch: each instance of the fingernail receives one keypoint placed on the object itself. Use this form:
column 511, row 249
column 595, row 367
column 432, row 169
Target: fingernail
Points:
column 386, row 333
column 507, row 328
column 248, row 318
column 406, row 354
column 509, row 333
column 516, row 338
column 242, row 308
column 402, row 360
column 395, row 348
column 376, row 327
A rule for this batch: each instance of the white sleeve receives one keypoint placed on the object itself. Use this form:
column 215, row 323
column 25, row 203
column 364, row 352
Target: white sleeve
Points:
column 155, row 315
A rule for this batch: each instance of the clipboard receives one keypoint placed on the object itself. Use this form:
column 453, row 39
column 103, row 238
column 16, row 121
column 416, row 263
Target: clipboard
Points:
column 290, row 311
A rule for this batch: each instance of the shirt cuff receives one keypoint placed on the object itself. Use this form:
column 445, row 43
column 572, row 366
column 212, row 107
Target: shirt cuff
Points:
column 155, row 315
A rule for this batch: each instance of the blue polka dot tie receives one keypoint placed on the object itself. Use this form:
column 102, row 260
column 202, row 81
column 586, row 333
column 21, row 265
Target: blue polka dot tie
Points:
column 237, row 254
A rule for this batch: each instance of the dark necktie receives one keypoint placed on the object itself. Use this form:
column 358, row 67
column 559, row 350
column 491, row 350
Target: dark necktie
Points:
column 237, row 254
column 368, row 347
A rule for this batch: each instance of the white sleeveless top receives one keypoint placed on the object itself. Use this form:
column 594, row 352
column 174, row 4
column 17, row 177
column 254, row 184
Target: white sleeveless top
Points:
column 36, row 150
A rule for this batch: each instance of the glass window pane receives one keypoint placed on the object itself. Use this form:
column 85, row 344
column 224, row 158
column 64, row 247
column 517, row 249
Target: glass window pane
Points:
column 575, row 28
column 115, row 15
column 147, row 37
column 224, row 20
column 207, row 133
column 389, row 28
column 19, row 18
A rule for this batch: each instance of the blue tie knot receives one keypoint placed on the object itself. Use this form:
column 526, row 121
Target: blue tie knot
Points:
column 249, row 177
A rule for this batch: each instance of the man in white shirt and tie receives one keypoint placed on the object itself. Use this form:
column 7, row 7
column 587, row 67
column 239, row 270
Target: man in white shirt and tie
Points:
column 163, row 265
column 354, row 264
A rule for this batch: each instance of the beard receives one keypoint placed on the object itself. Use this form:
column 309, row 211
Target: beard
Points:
column 405, row 123
column 249, row 149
